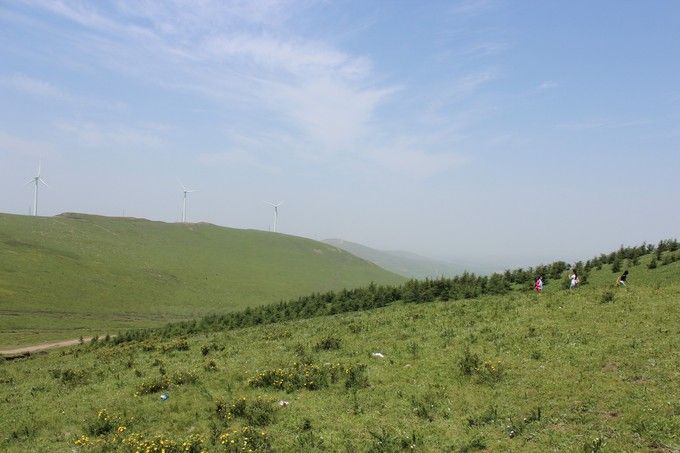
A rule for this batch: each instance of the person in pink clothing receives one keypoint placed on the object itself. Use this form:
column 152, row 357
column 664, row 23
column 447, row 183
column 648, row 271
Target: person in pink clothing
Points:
column 538, row 285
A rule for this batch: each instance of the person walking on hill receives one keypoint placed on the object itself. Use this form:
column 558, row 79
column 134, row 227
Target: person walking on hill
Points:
column 621, row 281
column 538, row 285
column 574, row 280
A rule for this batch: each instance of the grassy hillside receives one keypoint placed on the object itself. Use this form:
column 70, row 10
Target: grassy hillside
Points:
column 594, row 369
column 74, row 274
column 406, row 263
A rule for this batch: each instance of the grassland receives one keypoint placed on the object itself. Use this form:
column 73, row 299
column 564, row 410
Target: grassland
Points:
column 71, row 275
column 594, row 369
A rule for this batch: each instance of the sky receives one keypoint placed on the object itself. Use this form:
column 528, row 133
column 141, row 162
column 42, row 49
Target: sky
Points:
column 479, row 130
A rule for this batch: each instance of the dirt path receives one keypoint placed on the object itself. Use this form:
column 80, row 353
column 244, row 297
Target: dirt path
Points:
column 26, row 350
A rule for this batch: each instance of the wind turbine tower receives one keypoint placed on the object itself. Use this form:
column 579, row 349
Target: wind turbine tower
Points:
column 276, row 212
column 36, row 180
column 185, row 191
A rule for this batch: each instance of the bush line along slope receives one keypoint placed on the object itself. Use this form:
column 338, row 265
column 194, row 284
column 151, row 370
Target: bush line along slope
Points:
column 465, row 286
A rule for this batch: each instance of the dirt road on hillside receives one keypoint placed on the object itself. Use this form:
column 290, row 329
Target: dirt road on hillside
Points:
column 41, row 347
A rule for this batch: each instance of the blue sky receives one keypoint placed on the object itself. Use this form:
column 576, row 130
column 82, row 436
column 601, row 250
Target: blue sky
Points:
column 481, row 130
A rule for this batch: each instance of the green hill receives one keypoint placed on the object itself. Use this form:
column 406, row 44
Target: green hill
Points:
column 74, row 274
column 592, row 369
column 406, row 263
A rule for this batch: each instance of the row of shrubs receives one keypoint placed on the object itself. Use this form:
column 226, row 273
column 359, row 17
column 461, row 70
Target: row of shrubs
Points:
column 465, row 286
column 311, row 376
column 329, row 303
column 665, row 260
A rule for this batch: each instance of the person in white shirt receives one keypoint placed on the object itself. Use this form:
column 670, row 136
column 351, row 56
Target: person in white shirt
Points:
column 574, row 280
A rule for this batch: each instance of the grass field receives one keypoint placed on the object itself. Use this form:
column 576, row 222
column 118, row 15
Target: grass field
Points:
column 594, row 369
column 71, row 275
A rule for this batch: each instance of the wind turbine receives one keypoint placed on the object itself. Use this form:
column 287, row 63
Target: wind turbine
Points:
column 276, row 212
column 185, row 191
column 37, row 180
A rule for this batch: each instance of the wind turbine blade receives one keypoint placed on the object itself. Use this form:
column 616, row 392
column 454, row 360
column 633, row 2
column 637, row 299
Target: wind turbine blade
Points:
column 30, row 181
column 43, row 181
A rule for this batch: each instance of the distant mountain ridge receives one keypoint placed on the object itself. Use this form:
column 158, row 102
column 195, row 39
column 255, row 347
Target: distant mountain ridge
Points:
column 404, row 263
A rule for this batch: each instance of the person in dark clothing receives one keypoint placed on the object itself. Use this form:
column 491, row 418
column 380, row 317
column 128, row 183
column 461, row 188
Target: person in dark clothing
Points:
column 621, row 281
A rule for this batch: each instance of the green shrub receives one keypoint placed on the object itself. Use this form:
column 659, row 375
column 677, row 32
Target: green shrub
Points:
column 70, row 376
column 308, row 440
column 594, row 446
column 413, row 349
column 356, row 376
column 488, row 416
column 257, row 412
column 153, row 385
column 206, row 348
column 298, row 376
column 245, row 439
column 102, row 424
column 474, row 444
column 515, row 429
column 179, row 345
column 607, row 297
column 184, row 377
column 328, row 344
column 490, row 372
column 536, row 355
column 386, row 441
column 158, row 443
column 468, row 363
column 425, row 406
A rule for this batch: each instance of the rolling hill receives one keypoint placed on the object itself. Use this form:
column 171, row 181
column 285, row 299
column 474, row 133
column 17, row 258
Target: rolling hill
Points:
column 75, row 274
column 592, row 369
column 406, row 263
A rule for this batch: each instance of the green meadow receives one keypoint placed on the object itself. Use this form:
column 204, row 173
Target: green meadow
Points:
column 592, row 369
column 71, row 275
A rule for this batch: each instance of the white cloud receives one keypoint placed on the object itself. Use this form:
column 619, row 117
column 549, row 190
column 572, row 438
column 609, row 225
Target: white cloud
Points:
column 213, row 48
column 32, row 86
column 94, row 134
column 305, row 59
column 601, row 123
column 331, row 112
column 547, row 85
column 321, row 101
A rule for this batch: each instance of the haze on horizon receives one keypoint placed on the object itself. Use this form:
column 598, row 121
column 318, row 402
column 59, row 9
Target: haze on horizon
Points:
column 476, row 130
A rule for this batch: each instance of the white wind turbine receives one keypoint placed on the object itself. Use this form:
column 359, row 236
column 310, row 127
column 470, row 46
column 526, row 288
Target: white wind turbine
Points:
column 37, row 180
column 276, row 212
column 185, row 191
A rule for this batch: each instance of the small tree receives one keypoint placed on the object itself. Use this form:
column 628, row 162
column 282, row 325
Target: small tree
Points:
column 667, row 259
column 616, row 265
